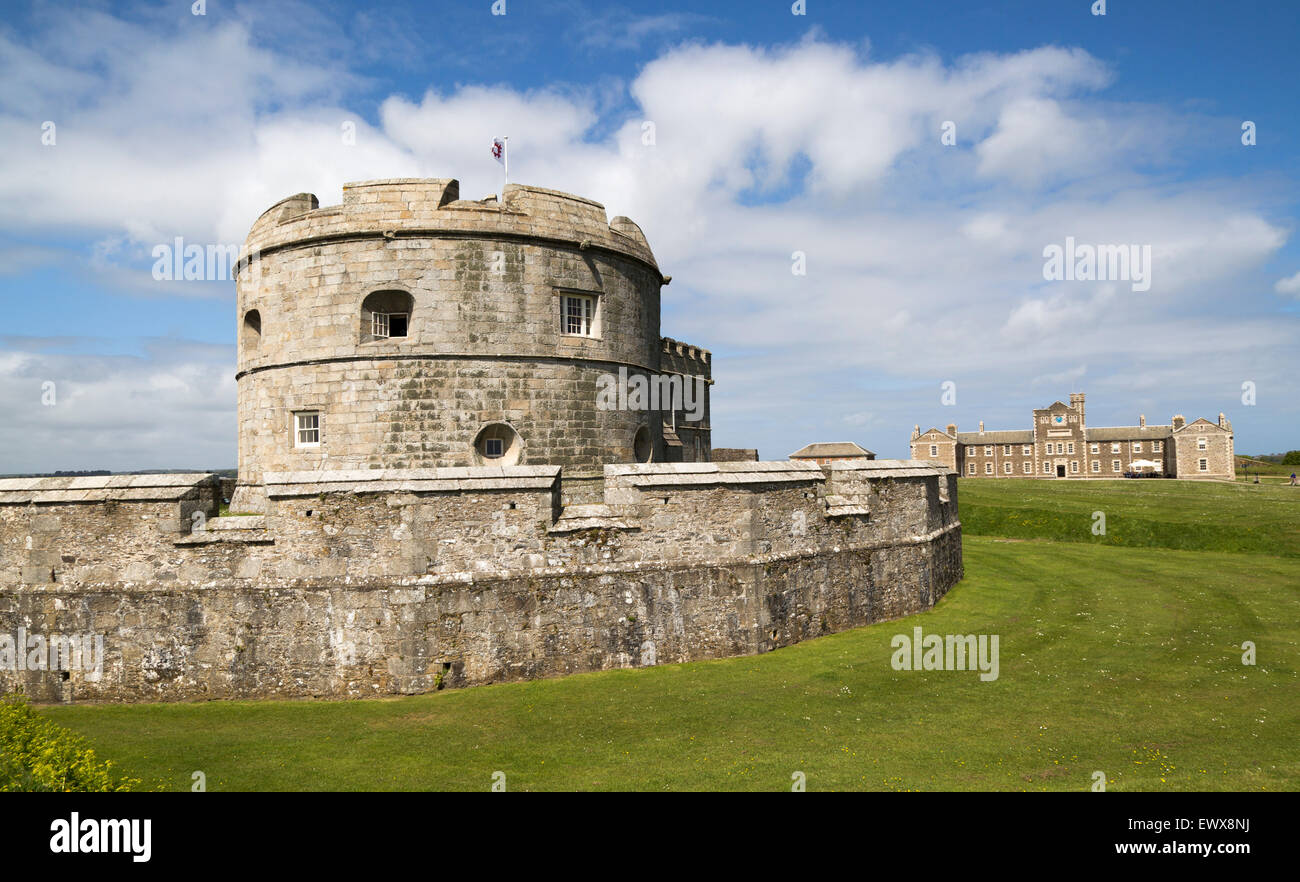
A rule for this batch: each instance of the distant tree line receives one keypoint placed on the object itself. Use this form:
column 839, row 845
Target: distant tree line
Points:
column 1291, row 457
column 99, row 473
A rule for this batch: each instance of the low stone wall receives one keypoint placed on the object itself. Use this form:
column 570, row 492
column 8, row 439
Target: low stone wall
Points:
column 379, row 582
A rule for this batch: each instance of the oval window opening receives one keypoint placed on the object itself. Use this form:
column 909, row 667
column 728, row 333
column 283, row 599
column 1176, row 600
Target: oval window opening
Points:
column 497, row 444
column 643, row 447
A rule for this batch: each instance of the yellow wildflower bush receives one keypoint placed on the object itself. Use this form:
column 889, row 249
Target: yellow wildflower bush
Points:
column 37, row 755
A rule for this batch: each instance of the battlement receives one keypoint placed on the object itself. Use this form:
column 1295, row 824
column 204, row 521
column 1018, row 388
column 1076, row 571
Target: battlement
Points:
column 405, row 207
column 432, row 193
column 683, row 358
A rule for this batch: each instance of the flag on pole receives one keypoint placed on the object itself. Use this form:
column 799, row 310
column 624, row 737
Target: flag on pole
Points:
column 500, row 152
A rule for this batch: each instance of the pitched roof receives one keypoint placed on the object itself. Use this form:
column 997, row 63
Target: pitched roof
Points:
column 1204, row 424
column 1127, row 433
column 830, row 448
column 1013, row 436
column 935, row 429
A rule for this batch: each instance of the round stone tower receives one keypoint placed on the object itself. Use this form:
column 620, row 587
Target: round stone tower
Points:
column 408, row 328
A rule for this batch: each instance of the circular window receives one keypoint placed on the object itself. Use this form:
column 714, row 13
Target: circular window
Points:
column 643, row 447
column 497, row 444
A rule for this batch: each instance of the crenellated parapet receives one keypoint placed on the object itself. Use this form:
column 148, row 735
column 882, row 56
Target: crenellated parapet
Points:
column 397, row 208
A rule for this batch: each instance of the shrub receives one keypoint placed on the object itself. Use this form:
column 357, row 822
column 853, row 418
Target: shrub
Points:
column 37, row 755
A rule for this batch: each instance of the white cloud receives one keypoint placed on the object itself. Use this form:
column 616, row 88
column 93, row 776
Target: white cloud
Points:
column 1289, row 285
column 172, row 408
column 1034, row 140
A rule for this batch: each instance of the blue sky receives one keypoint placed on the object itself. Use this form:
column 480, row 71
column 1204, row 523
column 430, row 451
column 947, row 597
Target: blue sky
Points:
column 775, row 133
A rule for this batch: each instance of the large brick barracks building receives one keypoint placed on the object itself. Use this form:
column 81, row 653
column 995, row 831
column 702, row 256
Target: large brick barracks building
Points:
column 1062, row 445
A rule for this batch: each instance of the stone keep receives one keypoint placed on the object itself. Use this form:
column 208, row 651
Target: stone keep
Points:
column 477, row 347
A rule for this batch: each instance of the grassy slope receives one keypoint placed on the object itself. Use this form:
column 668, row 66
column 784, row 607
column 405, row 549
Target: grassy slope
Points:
column 1259, row 467
column 1191, row 515
column 1119, row 659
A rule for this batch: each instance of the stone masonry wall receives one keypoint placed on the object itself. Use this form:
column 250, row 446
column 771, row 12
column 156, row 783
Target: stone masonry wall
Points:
column 1218, row 452
column 379, row 582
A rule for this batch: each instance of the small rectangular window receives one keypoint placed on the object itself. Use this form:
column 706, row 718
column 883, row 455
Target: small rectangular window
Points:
column 1157, row 446
column 934, row 449
column 1047, row 468
column 493, row 447
column 1096, row 464
column 988, row 468
column 1200, row 444
column 1114, row 465
column 1096, row 448
column 972, row 468
column 307, row 429
column 1204, row 465
column 388, row 324
column 1006, row 468
column 1114, row 447
column 1027, row 450
column 988, row 450
column 1074, row 467
column 1137, row 446
column 578, row 317
column 1029, row 468
column 1070, row 448
column 1006, row 449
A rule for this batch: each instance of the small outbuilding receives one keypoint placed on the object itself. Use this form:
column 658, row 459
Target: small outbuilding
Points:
column 823, row 452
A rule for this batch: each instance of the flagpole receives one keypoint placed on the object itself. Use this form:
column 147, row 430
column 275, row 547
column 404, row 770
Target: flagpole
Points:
column 505, row 156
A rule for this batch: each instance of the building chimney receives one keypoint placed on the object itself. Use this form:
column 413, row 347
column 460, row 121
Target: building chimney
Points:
column 1179, row 422
column 1223, row 420
column 981, row 427
column 952, row 429
column 916, row 431
column 1142, row 420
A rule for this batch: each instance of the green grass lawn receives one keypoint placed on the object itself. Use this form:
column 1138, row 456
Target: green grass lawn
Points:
column 1152, row 512
column 1118, row 653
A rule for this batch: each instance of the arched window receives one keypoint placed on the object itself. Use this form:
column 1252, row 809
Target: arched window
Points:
column 385, row 315
column 497, row 444
column 250, row 335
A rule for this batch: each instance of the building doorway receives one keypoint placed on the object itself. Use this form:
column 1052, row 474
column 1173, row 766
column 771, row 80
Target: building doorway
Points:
column 1060, row 471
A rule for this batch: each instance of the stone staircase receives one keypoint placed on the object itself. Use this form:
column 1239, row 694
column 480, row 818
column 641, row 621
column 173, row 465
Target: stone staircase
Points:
column 231, row 530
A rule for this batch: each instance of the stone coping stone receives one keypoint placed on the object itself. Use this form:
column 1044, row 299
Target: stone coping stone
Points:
column 101, row 488
column 445, row 480
column 684, row 474
column 894, row 468
column 226, row 537
column 589, row 516
column 237, row 522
